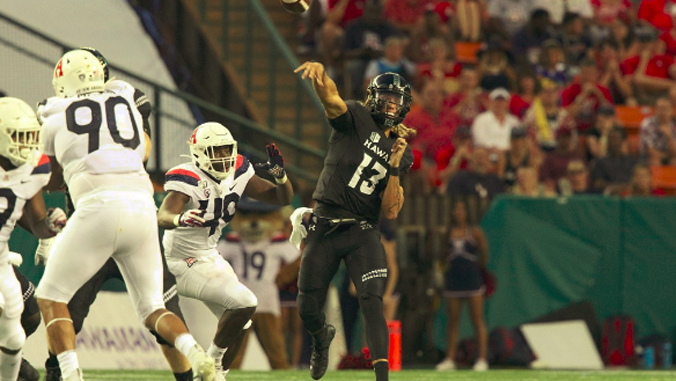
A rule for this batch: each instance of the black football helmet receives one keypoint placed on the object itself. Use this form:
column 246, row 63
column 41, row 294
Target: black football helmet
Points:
column 102, row 60
column 389, row 88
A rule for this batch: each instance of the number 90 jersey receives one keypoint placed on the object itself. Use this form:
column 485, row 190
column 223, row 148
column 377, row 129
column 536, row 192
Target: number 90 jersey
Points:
column 16, row 187
column 96, row 133
column 218, row 200
column 356, row 168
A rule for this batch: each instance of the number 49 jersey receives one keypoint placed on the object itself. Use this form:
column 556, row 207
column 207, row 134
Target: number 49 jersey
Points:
column 96, row 133
column 218, row 200
column 16, row 187
column 356, row 168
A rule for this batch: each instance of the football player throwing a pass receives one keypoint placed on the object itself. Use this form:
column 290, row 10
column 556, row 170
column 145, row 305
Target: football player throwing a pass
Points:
column 202, row 199
column 367, row 153
column 93, row 134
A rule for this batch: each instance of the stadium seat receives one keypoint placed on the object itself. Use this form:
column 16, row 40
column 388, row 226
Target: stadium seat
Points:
column 465, row 52
column 664, row 177
column 631, row 117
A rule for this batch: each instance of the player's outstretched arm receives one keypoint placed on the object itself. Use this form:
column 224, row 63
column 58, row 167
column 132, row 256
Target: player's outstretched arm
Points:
column 325, row 88
column 393, row 196
column 171, row 214
column 39, row 221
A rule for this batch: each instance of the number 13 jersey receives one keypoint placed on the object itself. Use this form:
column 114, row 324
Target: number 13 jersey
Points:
column 218, row 200
column 356, row 168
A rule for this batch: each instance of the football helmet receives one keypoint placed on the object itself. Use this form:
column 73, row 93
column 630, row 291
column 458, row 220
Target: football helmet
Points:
column 209, row 145
column 389, row 88
column 19, row 132
column 78, row 72
column 102, row 60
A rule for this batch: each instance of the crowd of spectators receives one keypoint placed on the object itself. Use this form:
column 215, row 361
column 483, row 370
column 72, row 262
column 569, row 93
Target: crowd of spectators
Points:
column 533, row 112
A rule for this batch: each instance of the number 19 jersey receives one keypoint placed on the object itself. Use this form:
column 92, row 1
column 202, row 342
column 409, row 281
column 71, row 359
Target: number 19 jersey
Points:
column 218, row 200
column 96, row 133
column 356, row 168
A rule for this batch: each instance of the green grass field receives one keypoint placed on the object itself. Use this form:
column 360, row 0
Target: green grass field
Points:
column 408, row 375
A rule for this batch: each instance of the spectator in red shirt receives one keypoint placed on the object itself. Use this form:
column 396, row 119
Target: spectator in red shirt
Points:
column 658, row 13
column 468, row 101
column 652, row 71
column 434, row 123
column 442, row 68
column 612, row 77
column 340, row 12
column 528, row 86
column 642, row 183
column 454, row 158
column 582, row 99
column 429, row 29
column 405, row 14
column 605, row 11
column 555, row 165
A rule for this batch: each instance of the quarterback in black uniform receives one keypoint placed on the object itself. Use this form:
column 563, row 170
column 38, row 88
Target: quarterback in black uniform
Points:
column 367, row 153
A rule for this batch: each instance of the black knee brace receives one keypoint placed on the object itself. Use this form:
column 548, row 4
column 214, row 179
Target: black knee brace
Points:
column 30, row 324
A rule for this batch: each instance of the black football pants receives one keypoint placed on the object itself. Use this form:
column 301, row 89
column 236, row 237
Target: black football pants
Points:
column 358, row 244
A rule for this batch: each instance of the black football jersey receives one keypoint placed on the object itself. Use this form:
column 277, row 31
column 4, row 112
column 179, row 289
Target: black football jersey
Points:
column 356, row 168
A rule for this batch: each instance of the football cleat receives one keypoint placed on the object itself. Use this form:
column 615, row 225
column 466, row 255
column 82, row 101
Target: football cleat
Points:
column 203, row 366
column 27, row 372
column 320, row 351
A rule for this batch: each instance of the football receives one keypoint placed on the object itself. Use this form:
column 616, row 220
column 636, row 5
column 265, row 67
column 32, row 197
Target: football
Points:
column 295, row 6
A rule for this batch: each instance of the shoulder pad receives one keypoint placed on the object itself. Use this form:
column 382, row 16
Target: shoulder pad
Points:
column 277, row 238
column 242, row 166
column 232, row 237
column 182, row 175
column 43, row 166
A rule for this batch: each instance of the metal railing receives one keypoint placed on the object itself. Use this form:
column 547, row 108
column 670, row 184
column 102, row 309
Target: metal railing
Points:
column 19, row 42
column 250, row 42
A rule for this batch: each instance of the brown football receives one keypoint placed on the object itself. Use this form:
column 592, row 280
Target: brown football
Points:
column 295, row 6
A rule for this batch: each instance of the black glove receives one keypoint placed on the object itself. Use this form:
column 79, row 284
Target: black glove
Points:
column 275, row 163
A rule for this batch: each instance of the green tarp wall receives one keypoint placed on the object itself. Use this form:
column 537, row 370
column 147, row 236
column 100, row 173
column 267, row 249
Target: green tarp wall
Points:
column 620, row 254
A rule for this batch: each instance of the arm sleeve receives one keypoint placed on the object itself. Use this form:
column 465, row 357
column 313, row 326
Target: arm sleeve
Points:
column 144, row 107
column 344, row 123
column 406, row 161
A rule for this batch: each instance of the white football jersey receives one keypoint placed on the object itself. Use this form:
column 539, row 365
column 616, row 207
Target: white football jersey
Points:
column 96, row 133
column 218, row 200
column 257, row 265
column 16, row 187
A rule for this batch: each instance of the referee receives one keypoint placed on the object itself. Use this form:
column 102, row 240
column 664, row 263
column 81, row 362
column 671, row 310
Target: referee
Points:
column 367, row 153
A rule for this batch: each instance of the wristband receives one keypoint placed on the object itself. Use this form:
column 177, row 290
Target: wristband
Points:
column 177, row 220
column 281, row 180
column 394, row 171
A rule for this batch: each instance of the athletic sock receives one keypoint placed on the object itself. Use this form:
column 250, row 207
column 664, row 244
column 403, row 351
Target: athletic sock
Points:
column 68, row 363
column 382, row 368
column 9, row 365
column 216, row 353
column 186, row 344
column 186, row 376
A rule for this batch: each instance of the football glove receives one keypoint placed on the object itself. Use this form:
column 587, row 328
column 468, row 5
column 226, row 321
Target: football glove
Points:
column 193, row 218
column 299, row 232
column 43, row 250
column 15, row 259
column 56, row 220
column 275, row 163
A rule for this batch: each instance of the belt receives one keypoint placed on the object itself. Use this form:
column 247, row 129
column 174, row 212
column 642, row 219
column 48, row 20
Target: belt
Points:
column 335, row 223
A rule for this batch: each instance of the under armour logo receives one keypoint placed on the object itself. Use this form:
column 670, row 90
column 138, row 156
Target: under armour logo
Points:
column 313, row 227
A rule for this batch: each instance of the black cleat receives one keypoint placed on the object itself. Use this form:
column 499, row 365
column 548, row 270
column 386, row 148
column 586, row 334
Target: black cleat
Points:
column 27, row 372
column 320, row 351
column 52, row 374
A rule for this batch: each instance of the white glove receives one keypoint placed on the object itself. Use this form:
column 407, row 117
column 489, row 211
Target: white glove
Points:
column 56, row 220
column 15, row 259
column 42, row 252
column 193, row 218
column 299, row 232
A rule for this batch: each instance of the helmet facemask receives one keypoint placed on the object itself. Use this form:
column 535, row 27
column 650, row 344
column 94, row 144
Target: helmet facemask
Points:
column 19, row 132
column 389, row 99
column 221, row 160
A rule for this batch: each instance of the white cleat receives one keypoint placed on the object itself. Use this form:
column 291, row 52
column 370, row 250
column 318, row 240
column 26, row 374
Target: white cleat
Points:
column 203, row 368
column 446, row 365
column 220, row 373
column 481, row 365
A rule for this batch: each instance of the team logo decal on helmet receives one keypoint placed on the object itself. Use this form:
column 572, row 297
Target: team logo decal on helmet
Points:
column 214, row 150
column 78, row 72
column 389, row 99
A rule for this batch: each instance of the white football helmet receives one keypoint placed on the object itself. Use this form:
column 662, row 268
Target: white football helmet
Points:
column 78, row 72
column 205, row 154
column 19, row 132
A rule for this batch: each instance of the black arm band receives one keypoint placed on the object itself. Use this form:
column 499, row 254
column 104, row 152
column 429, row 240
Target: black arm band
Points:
column 394, row 171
